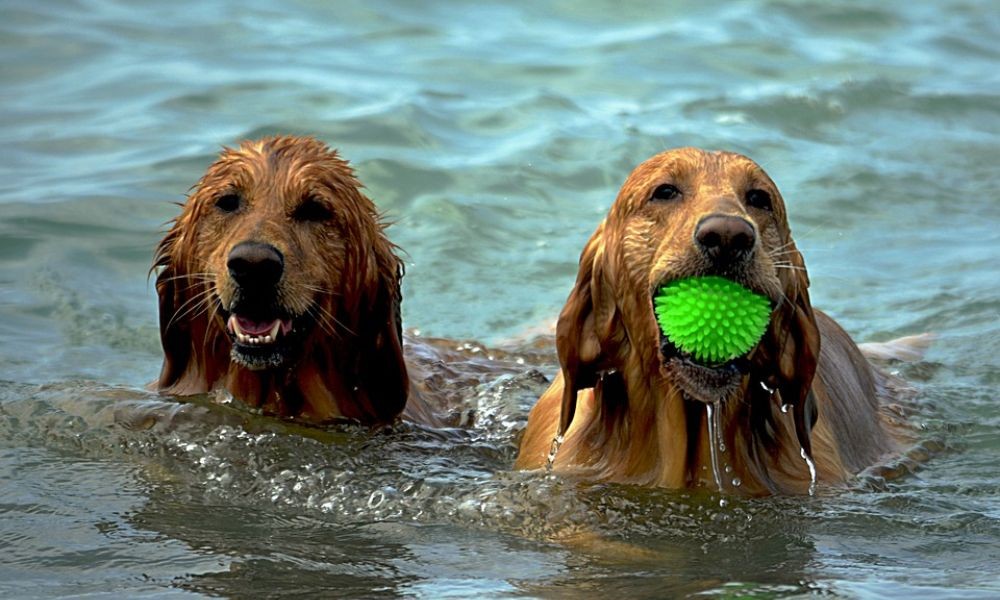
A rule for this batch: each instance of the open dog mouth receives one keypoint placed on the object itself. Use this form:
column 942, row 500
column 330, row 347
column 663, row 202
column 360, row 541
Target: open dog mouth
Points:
column 249, row 332
column 262, row 341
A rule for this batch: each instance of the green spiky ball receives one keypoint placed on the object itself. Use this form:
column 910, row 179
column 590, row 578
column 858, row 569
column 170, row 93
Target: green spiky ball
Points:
column 711, row 318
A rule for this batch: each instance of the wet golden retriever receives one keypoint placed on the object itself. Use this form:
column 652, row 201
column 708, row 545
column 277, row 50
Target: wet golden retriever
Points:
column 632, row 408
column 278, row 285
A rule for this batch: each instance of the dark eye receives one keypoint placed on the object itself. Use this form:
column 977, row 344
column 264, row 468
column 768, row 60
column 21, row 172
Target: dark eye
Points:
column 666, row 192
column 758, row 199
column 228, row 202
column 314, row 210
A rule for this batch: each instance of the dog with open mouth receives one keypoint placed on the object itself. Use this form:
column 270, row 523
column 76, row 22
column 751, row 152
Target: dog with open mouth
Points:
column 278, row 284
column 803, row 404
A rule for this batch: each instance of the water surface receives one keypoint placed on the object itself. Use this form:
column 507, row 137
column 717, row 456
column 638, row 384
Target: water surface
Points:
column 495, row 136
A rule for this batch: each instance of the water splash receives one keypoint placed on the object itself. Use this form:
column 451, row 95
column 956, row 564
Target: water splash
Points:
column 553, row 450
column 712, row 419
column 812, row 470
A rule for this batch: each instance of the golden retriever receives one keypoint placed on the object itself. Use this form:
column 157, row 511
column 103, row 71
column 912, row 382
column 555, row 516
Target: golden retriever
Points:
column 630, row 407
column 278, row 284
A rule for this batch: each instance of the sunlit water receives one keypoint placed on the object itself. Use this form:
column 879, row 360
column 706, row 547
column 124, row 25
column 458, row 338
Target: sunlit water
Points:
column 495, row 136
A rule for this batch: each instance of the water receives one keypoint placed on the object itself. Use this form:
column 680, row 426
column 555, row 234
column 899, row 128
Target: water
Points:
column 714, row 442
column 496, row 136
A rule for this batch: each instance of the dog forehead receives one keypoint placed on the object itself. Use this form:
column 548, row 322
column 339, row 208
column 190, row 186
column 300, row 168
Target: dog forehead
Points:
column 690, row 168
column 290, row 166
column 697, row 164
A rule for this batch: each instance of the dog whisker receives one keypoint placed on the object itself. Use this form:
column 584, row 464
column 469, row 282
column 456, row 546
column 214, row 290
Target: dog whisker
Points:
column 191, row 304
column 328, row 317
column 321, row 290
column 790, row 267
column 193, row 276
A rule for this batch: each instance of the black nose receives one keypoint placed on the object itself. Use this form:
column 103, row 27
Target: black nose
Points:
column 725, row 239
column 255, row 265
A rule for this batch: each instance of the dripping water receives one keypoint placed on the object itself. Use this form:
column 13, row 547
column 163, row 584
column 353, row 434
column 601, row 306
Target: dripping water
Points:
column 553, row 450
column 712, row 419
column 785, row 409
column 812, row 470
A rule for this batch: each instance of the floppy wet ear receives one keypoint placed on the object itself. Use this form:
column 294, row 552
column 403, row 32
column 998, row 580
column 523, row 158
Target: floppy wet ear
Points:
column 175, row 334
column 382, row 369
column 790, row 352
column 584, row 324
column 798, row 368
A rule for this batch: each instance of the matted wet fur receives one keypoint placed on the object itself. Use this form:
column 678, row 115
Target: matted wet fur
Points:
column 632, row 407
column 278, row 285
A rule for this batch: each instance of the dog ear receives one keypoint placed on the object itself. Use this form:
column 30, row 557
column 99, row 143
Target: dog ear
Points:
column 370, row 309
column 799, row 361
column 184, row 369
column 381, row 367
column 788, row 357
column 584, row 326
column 175, row 335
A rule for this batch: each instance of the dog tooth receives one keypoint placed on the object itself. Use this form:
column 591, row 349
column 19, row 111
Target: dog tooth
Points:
column 275, row 329
column 268, row 339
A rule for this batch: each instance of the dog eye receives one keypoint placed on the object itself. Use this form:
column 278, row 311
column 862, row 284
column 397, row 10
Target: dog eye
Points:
column 758, row 199
column 666, row 192
column 228, row 202
column 314, row 210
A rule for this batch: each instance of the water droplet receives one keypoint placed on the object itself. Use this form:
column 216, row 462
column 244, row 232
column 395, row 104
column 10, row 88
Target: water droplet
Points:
column 723, row 503
column 553, row 450
column 785, row 408
column 737, row 482
column 729, row 469
column 812, row 470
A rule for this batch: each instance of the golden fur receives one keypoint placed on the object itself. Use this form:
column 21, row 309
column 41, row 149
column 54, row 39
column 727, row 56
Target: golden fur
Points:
column 633, row 411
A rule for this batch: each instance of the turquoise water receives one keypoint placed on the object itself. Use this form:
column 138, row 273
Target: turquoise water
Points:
column 495, row 135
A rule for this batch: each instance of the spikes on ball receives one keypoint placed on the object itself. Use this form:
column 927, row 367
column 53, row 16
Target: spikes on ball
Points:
column 712, row 319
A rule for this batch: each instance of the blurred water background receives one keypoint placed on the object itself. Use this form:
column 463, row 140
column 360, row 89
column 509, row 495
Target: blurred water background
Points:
column 495, row 135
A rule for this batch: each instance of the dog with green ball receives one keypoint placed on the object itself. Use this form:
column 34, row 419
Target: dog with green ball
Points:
column 691, row 355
